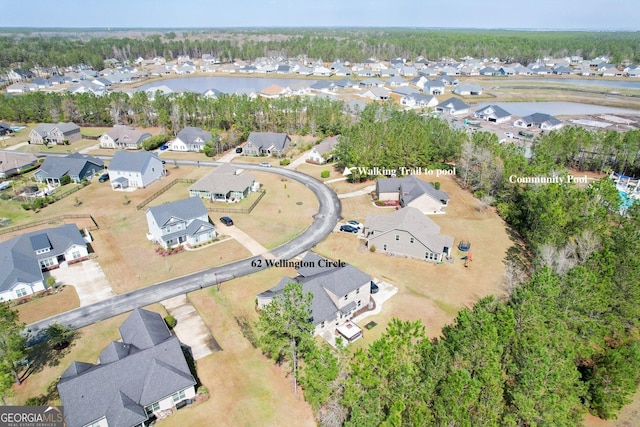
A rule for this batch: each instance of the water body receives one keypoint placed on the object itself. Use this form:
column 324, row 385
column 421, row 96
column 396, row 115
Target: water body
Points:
column 224, row 84
column 621, row 84
column 557, row 108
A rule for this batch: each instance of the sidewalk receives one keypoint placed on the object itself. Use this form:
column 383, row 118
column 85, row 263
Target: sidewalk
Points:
column 366, row 190
column 247, row 241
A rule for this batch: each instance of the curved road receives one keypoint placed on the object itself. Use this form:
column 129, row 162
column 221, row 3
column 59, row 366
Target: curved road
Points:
column 324, row 221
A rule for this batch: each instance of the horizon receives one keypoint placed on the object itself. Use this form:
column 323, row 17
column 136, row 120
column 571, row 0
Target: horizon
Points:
column 544, row 15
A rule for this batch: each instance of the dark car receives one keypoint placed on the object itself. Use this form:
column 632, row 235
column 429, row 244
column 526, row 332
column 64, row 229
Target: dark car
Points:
column 238, row 150
column 164, row 147
column 104, row 177
column 374, row 287
column 348, row 228
column 226, row 220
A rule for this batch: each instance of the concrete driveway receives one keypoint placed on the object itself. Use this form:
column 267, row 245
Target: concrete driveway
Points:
column 190, row 329
column 89, row 280
column 245, row 240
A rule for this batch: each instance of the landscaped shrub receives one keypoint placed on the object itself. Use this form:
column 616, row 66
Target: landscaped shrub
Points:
column 65, row 179
column 325, row 174
column 372, row 248
column 436, row 185
column 170, row 321
column 285, row 162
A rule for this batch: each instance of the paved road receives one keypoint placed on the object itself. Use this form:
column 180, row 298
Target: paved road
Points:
column 324, row 221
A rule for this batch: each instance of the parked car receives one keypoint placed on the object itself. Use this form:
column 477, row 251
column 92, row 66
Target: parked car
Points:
column 164, row 147
column 374, row 287
column 238, row 150
column 104, row 177
column 509, row 135
column 348, row 228
column 226, row 220
column 354, row 223
column 265, row 164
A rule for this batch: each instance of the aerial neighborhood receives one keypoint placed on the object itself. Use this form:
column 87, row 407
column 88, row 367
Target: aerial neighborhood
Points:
column 191, row 238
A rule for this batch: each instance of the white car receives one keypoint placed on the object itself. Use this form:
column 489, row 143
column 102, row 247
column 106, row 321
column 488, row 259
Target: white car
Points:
column 509, row 135
column 355, row 224
column 265, row 164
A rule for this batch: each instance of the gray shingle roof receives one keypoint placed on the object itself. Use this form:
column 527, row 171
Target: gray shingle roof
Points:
column 127, row 134
column 43, row 129
column 541, row 118
column 498, row 111
column 18, row 260
column 409, row 188
column 131, row 161
column 223, row 180
column 192, row 135
column 319, row 281
column 12, row 160
column 184, row 209
column 412, row 221
column 72, row 165
column 453, row 103
column 120, row 389
column 267, row 139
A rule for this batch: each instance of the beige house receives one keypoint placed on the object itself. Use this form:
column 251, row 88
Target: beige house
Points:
column 61, row 133
column 224, row 184
column 409, row 233
column 412, row 192
column 124, row 137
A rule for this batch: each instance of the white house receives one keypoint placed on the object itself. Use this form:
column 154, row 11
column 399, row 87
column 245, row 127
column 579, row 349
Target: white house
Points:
column 135, row 169
column 24, row 258
column 190, row 139
column 320, row 151
column 181, row 222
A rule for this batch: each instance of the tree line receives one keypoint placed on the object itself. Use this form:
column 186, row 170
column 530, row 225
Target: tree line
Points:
column 564, row 341
column 354, row 45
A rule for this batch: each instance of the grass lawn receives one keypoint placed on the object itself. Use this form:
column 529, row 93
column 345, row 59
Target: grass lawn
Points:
column 278, row 217
column 432, row 293
column 316, row 170
column 48, row 305
column 17, row 137
column 246, row 389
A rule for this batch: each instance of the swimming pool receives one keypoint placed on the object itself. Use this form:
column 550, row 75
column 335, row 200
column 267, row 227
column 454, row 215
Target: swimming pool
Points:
column 626, row 201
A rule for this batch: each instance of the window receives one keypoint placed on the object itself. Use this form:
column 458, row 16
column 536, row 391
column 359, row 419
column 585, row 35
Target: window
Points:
column 397, row 237
column 426, row 255
column 177, row 397
column 411, row 240
column 44, row 263
column 346, row 297
column 154, row 407
column 384, row 248
column 22, row 292
column 357, row 291
column 75, row 254
column 359, row 302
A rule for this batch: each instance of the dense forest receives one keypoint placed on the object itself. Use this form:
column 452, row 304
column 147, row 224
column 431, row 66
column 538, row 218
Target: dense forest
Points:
column 65, row 49
column 564, row 342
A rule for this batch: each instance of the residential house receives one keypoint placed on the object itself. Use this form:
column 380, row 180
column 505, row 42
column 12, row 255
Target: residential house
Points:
column 468, row 89
column 433, row 87
column 181, row 222
column 190, row 139
column 418, row 100
column 372, row 82
column 266, row 144
column 61, row 133
column 376, row 93
column 322, row 151
column 409, row 233
column 134, row 169
column 20, row 87
column 226, row 183
column 562, row 70
column 77, row 166
column 538, row 120
column 18, row 75
column 346, row 84
column 453, row 106
column 212, row 93
column 123, row 137
column 493, row 113
column 5, row 129
column 396, row 81
column 14, row 162
column 274, row 91
column 134, row 379
column 339, row 290
column 25, row 257
column 410, row 191
column 324, row 86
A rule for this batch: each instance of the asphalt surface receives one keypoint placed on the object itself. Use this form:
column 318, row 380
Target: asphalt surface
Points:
column 329, row 212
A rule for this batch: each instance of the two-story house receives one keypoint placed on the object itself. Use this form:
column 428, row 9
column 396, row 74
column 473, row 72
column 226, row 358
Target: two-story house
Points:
column 181, row 222
column 339, row 291
column 61, row 133
column 134, row 169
